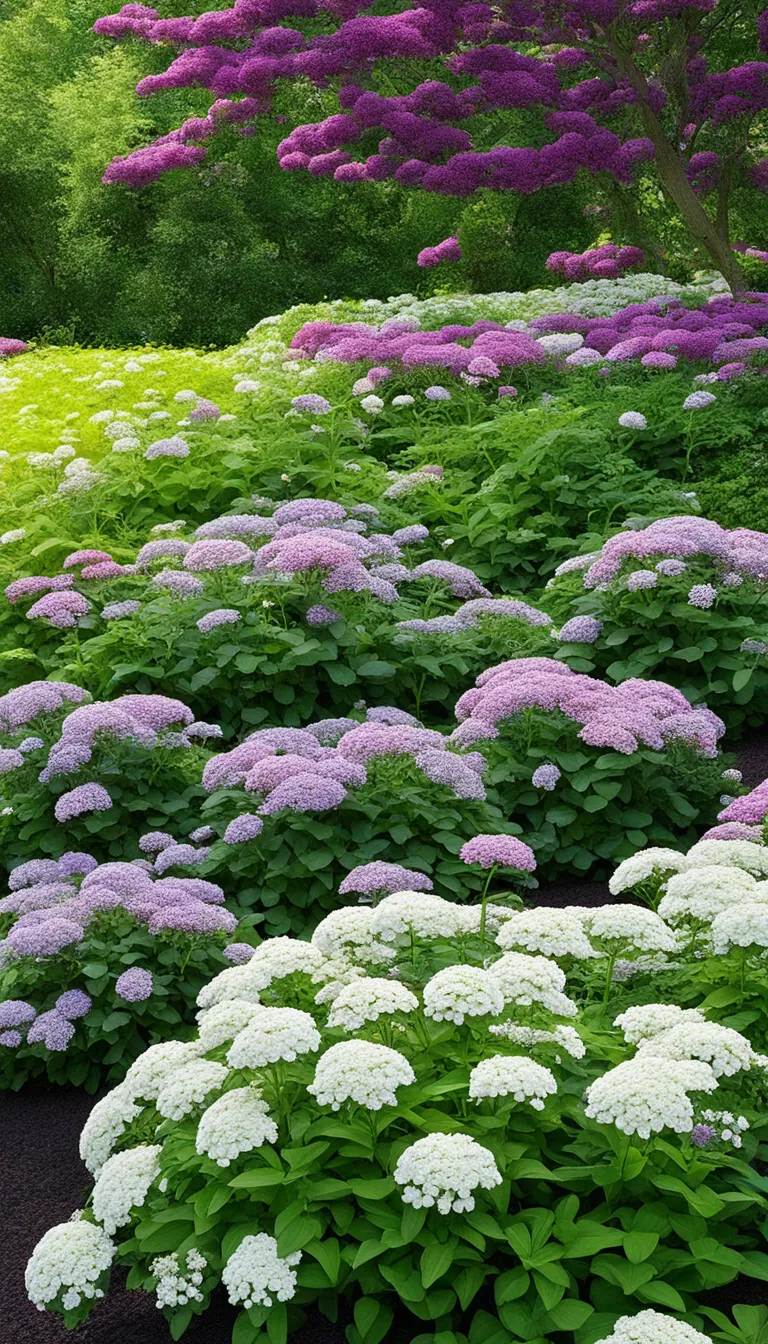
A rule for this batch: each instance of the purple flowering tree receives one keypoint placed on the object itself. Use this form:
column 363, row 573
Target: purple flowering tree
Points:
column 604, row 95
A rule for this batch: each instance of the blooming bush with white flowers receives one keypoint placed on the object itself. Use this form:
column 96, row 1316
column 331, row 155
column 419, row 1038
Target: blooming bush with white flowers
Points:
column 334, row 1133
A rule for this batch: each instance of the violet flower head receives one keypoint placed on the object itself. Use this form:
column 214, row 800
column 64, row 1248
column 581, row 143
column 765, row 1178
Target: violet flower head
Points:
column 16, row 1013
column 62, row 609
column 502, row 850
column 238, row 953
column 702, row 1135
column 118, row 611
column 245, row 827
column 437, row 393
column 84, row 798
column 319, row 615
column 641, row 578
column 154, row 841
column 52, row 1030
column 545, row 777
column 73, row 1003
column 310, row 403
column 633, row 420
column 580, row 630
column 31, row 744
column 370, row 879
column 507, row 390
column 223, row 616
column 173, row 447
column 205, row 410
column 671, row 569
column 44, row 940
column 10, row 759
column 179, row 583
column 11, row 1039
column 218, row 553
column 698, row 400
column 201, row 835
column 702, row 595
column 33, row 872
column 305, row 793
column 134, row 985
column 175, row 856
column 74, row 862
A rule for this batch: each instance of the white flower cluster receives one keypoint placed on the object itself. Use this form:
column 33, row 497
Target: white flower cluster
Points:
column 553, row 933
column 647, row 1094
column 567, row 1038
column 365, row 1001
column 176, row 1286
column 703, row 892
column 652, row 1327
column 235, row 1123
column 255, row 1271
column 416, row 914
column 347, row 932
column 123, row 1184
column 650, row 1019
column 650, row 862
column 732, row 1127
column 106, row 1124
column 621, row 926
column 743, row 926
column 70, row 1259
column 233, row 983
column 734, row 853
column 457, row 992
column 512, row 1075
column 278, row 957
column 527, row 980
column 725, row 1050
column 442, row 1170
column 273, row 1034
column 224, row 1021
column 188, row 1087
column 149, row 1073
column 360, row 1071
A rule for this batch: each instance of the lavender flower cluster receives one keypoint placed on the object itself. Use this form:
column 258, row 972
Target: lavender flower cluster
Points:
column 672, row 544
column 608, row 262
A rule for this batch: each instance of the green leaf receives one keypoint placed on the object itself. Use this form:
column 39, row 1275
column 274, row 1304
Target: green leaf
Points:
column 742, row 678
column 378, row 1188
column 570, row 1314
column 328, row 1254
column 372, row 1319
column 258, row 1178
column 664, row 1294
column 639, row 1245
column 435, row 1260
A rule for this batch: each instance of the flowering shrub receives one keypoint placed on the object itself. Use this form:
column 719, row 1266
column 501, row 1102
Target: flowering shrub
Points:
column 378, row 1115
column 296, row 809
column 97, row 961
column 608, row 262
column 682, row 599
column 596, row 770
column 94, row 774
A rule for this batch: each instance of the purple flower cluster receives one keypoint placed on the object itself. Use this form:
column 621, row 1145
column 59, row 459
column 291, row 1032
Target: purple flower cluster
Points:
column 752, row 809
column 372, row 879
column 608, row 262
column 217, row 553
column 613, row 717
column 245, row 827
column 504, row 851
column 62, row 609
column 739, row 551
column 447, row 250
column 134, row 985
column 83, row 799
column 223, row 616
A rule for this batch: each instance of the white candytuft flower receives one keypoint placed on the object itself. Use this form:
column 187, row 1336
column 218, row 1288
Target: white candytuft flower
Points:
column 553, row 933
column 646, row 1094
column 150, row 1072
column 272, row 1034
column 123, row 1184
column 457, row 992
column 106, row 1123
column 650, row 862
column 512, row 1075
column 224, row 1021
column 737, row 853
column 630, row 926
column 177, row 1286
column 255, row 1271
column 236, row 1123
column 188, row 1087
column 414, row 913
column 725, row 1051
column 567, row 1038
column 442, row 1170
column 744, row 926
column 236, row 982
column 365, row 1000
column 277, row 957
column 701, row 893
column 69, row 1259
column 652, row 1327
column 526, row 980
column 649, row 1019
column 360, row 1071
column 348, row 933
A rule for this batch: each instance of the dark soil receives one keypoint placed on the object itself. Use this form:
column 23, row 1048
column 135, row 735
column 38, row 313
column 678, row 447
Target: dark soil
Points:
column 43, row 1180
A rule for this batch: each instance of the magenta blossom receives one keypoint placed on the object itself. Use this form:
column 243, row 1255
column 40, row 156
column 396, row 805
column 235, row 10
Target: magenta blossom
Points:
column 504, row 851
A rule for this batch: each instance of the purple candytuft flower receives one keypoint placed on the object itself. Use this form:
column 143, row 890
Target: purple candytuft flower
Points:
column 671, row 569
column 10, row 759
column 698, row 400
column 734, row 830
column 84, row 798
column 245, row 827
column 310, row 403
column 33, row 872
column 218, row 553
column 117, row 611
column 641, row 578
column 192, row 917
column 507, row 390
column 62, row 609
column 371, row 878
column 329, row 731
column 179, row 582
column 702, row 1135
column 31, row 744
column 37, row 583
column 305, row 793
column 462, row 582
column 702, row 595
column 545, row 777
column 162, row 547
column 154, row 841
column 390, row 715
column 16, row 1013
column 44, row 940
column 11, row 1038
column 85, row 557
column 239, row 953
column 174, row 856
column 73, row 1003
column 443, row 767
column 173, row 447
column 223, row 616
column 580, row 630
column 320, row 615
column 134, row 985
column 201, row 835
column 51, row 1030
column 502, row 850
column 437, row 393
column 205, row 410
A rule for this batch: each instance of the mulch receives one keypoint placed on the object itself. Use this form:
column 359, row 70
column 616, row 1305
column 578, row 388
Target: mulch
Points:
column 43, row 1180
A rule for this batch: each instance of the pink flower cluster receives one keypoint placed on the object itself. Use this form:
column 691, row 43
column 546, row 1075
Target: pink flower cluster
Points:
column 615, row 717
column 448, row 250
column 608, row 262
column 9, row 346
column 739, row 551
column 752, row 809
column 137, row 718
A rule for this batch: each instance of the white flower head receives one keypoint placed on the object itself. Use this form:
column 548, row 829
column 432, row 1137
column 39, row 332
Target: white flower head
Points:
column 176, row 1286
column 641, row 1023
column 188, row 1087
column 273, row 1034
column 743, row 926
column 347, row 933
column 149, row 1073
column 236, row 1123
column 701, row 893
column 565, row 1038
column 647, row 1094
column 107, row 1123
column 236, row 982
column 630, row 926
column 255, row 1273
column 223, row 1022
column 725, row 1050
column 365, row 1000
column 553, row 933
column 652, row 1327
column 414, row 913
column 633, row 420
column 123, row 1184
column 650, row 862
column 457, row 992
column 526, row 980
column 442, row 1170
column 71, row 1259
column 512, row 1075
column 734, row 853
column 360, row 1071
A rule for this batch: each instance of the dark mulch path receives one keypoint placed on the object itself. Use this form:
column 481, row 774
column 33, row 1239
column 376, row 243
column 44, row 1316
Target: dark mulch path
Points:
column 43, row 1180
